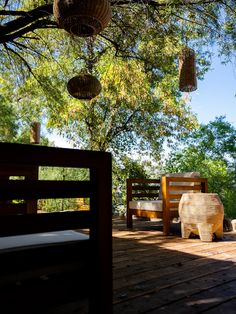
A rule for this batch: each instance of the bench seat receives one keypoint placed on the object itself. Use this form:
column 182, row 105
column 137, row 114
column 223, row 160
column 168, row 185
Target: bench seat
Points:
column 155, row 205
column 36, row 240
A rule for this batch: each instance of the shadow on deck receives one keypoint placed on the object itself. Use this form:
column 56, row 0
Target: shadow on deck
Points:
column 157, row 274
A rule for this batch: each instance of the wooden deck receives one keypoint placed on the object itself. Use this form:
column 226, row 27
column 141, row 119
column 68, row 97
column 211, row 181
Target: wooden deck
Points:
column 157, row 274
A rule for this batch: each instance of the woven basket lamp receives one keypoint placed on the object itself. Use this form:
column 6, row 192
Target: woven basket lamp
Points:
column 84, row 86
column 82, row 17
column 187, row 71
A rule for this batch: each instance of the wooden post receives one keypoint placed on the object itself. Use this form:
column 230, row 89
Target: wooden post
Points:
column 35, row 133
column 128, row 199
column 166, row 208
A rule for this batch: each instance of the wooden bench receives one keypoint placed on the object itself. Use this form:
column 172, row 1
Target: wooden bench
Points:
column 144, row 199
column 53, row 259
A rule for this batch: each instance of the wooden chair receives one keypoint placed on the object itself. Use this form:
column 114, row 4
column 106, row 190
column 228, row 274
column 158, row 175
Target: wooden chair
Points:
column 144, row 199
column 49, row 260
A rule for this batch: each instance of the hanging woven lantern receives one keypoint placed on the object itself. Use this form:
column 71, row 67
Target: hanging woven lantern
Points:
column 187, row 71
column 84, row 86
column 82, row 17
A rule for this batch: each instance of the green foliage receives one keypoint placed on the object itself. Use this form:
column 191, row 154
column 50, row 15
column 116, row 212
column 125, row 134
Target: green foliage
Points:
column 211, row 151
column 130, row 107
column 8, row 123
column 124, row 168
column 136, row 59
column 55, row 173
column 217, row 140
column 8, row 113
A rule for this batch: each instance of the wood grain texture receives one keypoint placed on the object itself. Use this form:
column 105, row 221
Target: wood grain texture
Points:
column 167, row 274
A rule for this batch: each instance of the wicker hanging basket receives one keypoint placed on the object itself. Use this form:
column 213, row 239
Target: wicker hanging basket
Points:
column 187, row 71
column 84, row 86
column 82, row 17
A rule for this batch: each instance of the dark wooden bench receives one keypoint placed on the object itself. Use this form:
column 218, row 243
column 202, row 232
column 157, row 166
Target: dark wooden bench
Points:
column 48, row 260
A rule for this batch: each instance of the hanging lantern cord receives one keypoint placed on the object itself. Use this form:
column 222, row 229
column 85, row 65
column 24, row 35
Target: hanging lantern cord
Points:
column 91, row 58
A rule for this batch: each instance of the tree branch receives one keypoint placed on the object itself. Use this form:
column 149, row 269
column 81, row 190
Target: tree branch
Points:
column 13, row 13
column 21, row 58
column 30, row 28
column 162, row 4
column 30, row 17
column 112, row 133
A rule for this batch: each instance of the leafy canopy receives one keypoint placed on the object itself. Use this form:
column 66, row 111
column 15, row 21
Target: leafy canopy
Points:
column 135, row 58
column 211, row 150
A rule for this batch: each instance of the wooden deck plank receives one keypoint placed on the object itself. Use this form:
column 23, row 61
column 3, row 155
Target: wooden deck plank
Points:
column 174, row 295
column 156, row 274
column 152, row 257
column 201, row 302
column 175, row 268
column 228, row 307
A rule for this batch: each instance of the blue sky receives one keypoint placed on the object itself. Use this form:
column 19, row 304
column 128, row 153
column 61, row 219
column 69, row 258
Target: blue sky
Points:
column 215, row 95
